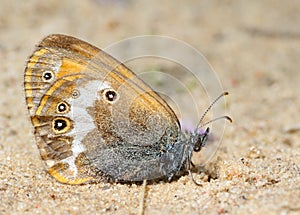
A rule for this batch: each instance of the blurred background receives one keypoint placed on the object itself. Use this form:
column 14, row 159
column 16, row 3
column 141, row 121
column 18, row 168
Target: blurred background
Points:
column 254, row 48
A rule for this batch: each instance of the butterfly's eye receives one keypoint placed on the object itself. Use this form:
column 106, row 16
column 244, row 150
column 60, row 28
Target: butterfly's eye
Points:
column 47, row 76
column 201, row 141
column 110, row 95
column 62, row 107
column 198, row 145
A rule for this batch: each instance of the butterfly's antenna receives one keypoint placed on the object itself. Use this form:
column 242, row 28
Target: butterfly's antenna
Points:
column 208, row 109
column 215, row 119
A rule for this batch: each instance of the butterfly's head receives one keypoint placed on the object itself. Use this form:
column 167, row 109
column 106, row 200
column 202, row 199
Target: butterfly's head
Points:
column 200, row 139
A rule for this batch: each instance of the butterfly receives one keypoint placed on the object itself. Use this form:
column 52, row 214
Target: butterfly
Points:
column 95, row 120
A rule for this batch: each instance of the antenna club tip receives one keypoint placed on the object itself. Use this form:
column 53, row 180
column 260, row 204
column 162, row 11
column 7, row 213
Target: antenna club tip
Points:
column 225, row 93
column 229, row 119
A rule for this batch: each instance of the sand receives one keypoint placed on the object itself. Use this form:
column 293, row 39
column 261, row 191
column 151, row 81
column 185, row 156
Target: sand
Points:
column 254, row 49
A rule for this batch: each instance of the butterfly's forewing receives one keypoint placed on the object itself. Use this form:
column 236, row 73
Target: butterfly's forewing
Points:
column 80, row 133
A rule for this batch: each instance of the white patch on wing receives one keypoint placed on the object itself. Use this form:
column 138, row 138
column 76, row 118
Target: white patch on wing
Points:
column 83, row 121
column 57, row 66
